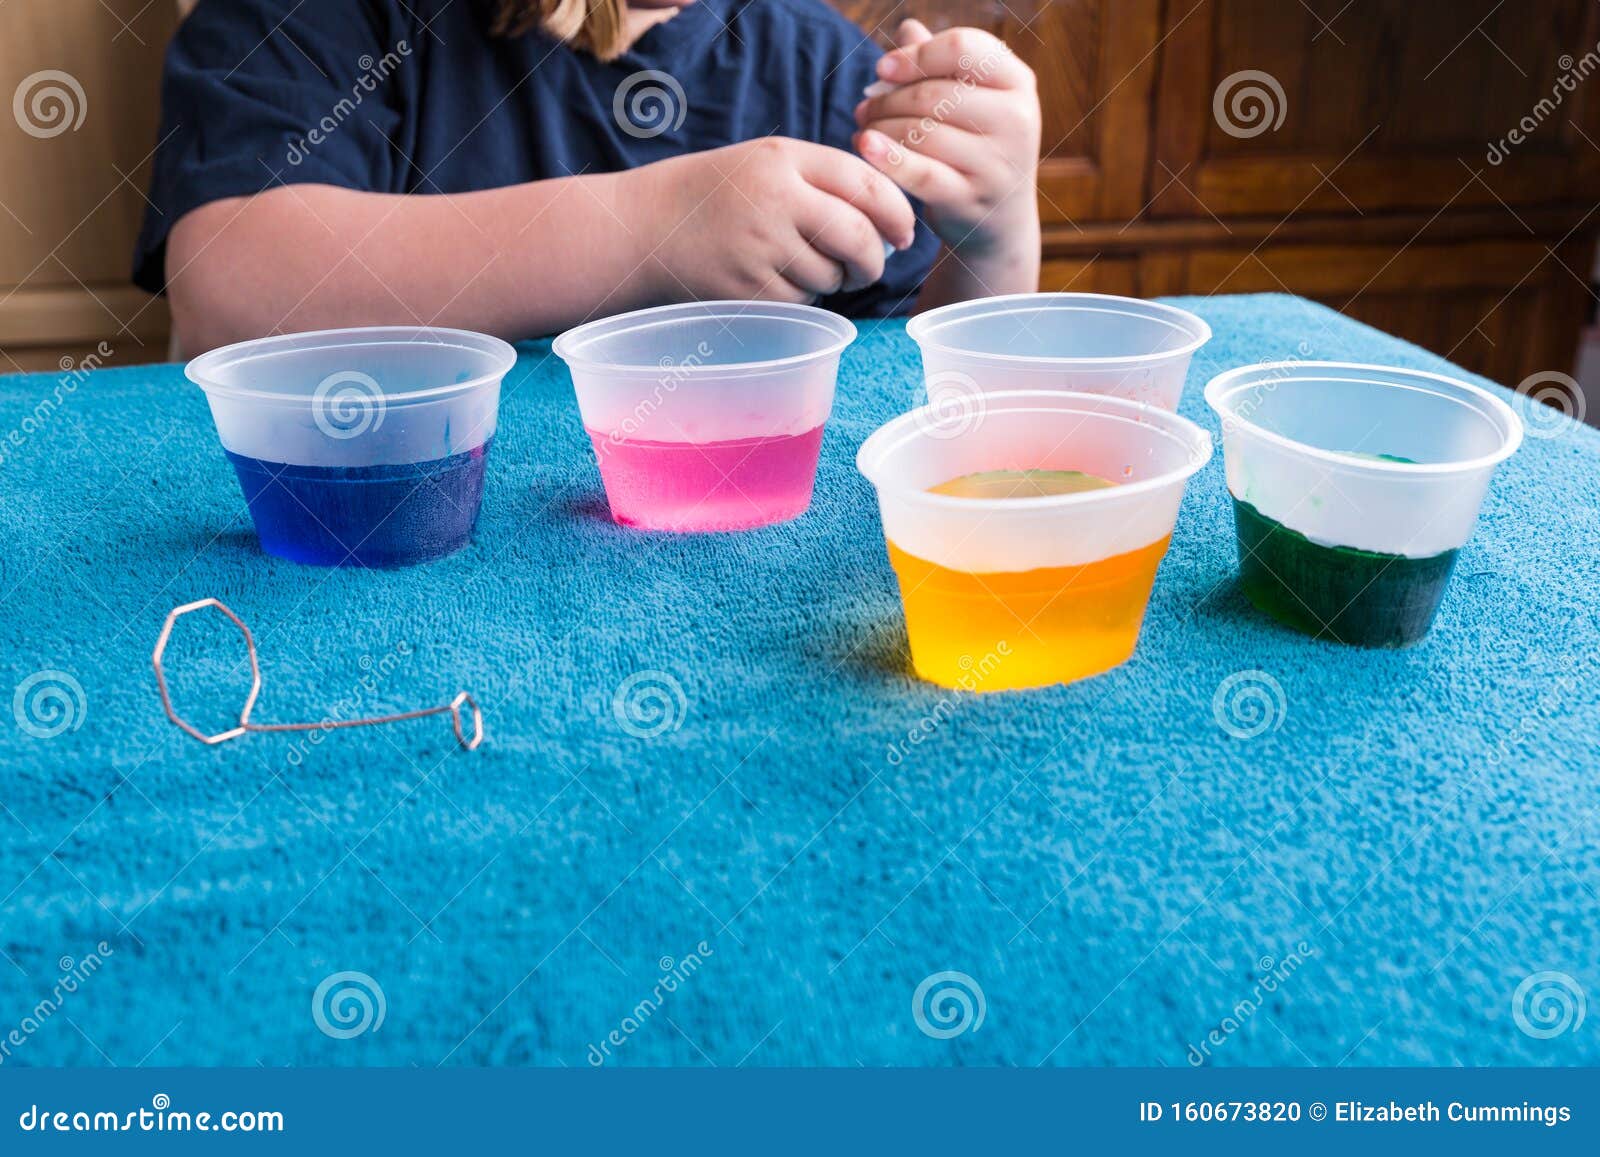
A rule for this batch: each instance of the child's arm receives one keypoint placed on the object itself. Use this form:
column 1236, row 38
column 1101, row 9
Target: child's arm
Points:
column 304, row 257
column 773, row 218
column 959, row 129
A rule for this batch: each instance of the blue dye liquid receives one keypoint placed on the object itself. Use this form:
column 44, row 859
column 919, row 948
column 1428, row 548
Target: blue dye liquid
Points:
column 374, row 516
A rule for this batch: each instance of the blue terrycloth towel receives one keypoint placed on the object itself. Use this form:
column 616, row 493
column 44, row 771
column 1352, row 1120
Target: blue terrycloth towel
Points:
column 1403, row 869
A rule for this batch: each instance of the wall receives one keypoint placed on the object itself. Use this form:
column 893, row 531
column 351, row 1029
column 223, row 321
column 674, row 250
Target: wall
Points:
column 73, row 167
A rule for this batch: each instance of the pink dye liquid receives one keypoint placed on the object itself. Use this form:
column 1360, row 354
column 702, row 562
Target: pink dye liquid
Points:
column 708, row 485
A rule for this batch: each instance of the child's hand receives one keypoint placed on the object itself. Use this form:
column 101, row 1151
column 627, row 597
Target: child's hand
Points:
column 775, row 218
column 959, row 130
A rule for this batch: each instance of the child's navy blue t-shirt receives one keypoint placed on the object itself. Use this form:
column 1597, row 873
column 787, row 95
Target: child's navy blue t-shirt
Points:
column 416, row 96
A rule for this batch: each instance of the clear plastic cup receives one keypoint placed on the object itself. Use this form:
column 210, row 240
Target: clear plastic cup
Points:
column 707, row 415
column 1089, row 343
column 1003, row 593
column 360, row 447
column 1354, row 487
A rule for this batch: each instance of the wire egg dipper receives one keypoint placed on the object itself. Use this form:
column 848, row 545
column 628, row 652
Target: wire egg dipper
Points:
column 454, row 707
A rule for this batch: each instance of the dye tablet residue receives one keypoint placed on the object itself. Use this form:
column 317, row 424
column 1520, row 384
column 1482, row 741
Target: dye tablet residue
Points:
column 374, row 516
column 1353, row 596
column 1057, row 623
column 1020, row 484
column 703, row 486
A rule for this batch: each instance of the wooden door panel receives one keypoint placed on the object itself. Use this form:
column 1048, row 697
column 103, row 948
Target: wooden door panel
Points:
column 1502, row 308
column 1381, row 104
column 1091, row 275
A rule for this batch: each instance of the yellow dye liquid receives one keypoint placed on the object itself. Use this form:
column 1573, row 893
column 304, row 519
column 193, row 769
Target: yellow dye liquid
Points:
column 1010, row 629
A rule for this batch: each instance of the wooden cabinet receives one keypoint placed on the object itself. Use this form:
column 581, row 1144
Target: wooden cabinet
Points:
column 1429, row 166
column 1390, row 105
column 1364, row 153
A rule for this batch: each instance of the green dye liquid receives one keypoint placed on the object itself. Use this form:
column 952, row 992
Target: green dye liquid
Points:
column 1337, row 592
column 1378, row 457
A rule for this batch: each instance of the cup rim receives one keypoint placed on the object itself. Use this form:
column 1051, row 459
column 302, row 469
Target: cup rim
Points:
column 897, row 431
column 1219, row 388
column 922, row 327
column 567, row 345
column 201, row 370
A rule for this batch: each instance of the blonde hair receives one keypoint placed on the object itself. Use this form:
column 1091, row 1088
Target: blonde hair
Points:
column 595, row 25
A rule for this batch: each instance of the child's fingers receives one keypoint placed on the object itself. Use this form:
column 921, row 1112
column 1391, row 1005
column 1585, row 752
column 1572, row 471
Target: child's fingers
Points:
column 836, row 172
column 814, row 272
column 959, row 103
column 845, row 238
column 911, row 33
column 967, row 153
column 781, row 286
column 923, row 177
column 959, row 53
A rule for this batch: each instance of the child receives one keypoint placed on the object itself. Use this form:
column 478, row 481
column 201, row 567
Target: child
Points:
column 595, row 156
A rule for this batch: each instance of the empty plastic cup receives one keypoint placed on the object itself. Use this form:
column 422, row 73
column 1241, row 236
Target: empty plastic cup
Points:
column 1354, row 487
column 1006, row 592
column 709, row 415
column 360, row 447
column 1085, row 342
